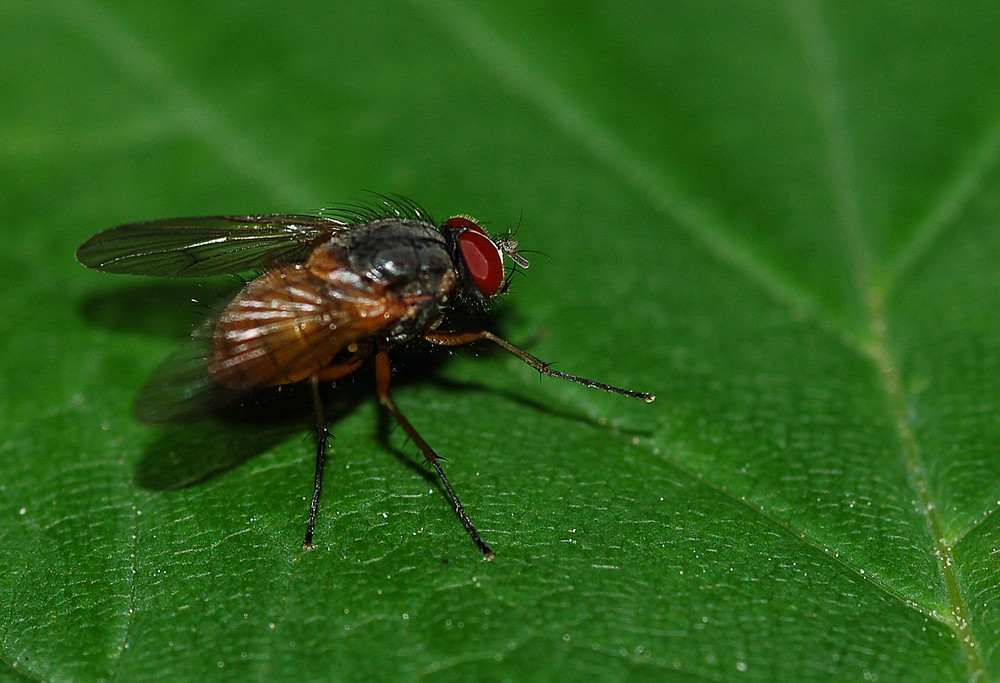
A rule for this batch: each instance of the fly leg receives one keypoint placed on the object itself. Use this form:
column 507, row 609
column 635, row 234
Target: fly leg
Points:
column 383, row 379
column 330, row 373
column 460, row 338
column 322, row 436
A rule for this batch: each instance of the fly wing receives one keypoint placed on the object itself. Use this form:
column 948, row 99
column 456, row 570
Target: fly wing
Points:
column 181, row 389
column 209, row 245
column 284, row 327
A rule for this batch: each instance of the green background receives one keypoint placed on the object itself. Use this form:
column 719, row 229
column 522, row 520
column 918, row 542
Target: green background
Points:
column 780, row 217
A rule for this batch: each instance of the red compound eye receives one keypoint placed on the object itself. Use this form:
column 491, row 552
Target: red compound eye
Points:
column 482, row 256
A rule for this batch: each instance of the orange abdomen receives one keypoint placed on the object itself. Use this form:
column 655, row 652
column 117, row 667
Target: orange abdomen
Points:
column 289, row 324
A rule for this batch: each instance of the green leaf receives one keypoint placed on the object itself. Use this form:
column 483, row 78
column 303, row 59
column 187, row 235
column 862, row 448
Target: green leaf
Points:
column 779, row 217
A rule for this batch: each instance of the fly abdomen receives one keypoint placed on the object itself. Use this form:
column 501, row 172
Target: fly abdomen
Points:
column 288, row 324
column 265, row 335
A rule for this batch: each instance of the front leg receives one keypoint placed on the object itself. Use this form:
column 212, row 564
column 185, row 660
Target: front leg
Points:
column 461, row 338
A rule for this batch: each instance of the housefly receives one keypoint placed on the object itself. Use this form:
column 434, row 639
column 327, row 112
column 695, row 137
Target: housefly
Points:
column 332, row 291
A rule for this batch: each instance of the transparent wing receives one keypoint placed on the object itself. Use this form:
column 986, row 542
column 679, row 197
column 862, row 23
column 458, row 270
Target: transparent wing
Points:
column 181, row 389
column 208, row 245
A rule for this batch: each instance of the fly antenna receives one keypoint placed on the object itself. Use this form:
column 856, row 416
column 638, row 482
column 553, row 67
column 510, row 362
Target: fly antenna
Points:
column 509, row 247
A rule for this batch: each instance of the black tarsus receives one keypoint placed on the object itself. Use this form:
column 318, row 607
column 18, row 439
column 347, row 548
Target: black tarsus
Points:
column 322, row 437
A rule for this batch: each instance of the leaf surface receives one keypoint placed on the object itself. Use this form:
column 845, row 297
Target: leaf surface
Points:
column 781, row 218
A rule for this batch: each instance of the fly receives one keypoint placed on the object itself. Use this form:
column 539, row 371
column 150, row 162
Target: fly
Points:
column 334, row 290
